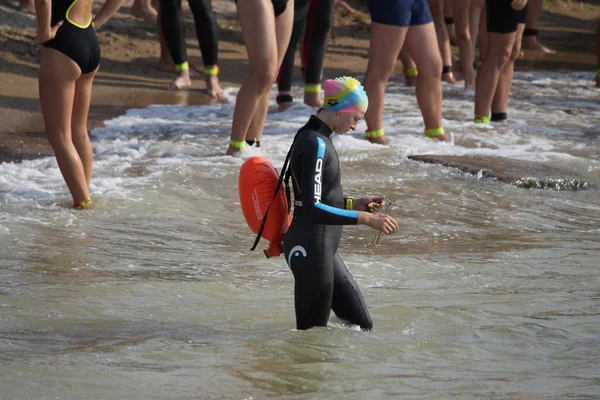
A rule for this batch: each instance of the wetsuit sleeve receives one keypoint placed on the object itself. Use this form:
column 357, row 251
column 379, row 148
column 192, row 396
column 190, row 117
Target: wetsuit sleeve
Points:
column 313, row 185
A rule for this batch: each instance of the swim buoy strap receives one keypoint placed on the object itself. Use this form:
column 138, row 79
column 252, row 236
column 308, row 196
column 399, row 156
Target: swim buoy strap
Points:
column 279, row 182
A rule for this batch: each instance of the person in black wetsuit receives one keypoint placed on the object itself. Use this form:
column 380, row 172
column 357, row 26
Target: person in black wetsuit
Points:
column 322, row 280
column 313, row 18
column 207, row 32
column 70, row 60
column 266, row 28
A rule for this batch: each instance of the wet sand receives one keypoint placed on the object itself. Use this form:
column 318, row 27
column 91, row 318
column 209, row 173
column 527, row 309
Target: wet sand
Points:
column 128, row 76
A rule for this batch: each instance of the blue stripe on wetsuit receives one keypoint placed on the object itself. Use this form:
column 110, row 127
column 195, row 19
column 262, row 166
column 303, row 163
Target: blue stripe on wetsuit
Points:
column 332, row 210
column 321, row 150
column 337, row 211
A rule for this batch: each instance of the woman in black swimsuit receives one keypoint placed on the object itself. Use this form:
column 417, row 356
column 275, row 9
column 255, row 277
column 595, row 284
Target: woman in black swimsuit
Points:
column 266, row 28
column 70, row 60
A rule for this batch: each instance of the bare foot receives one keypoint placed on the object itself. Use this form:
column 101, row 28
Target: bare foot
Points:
column 147, row 13
column 313, row 99
column 212, row 86
column 379, row 140
column 284, row 105
column 233, row 151
column 182, row 81
column 446, row 137
column 532, row 43
column 27, row 6
column 448, row 77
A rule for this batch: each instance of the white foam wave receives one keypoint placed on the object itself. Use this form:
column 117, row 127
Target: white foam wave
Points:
column 550, row 113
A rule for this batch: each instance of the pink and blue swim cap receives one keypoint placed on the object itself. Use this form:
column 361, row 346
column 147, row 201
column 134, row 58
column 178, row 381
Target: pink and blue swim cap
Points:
column 345, row 94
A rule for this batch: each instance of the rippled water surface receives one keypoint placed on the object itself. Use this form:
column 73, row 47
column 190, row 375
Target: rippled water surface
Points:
column 488, row 290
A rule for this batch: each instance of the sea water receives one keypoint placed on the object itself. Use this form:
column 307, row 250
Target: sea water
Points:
column 488, row 290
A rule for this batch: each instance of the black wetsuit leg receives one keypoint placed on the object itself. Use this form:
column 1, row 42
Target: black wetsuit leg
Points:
column 315, row 39
column 206, row 30
column 309, row 250
column 171, row 19
column 348, row 303
column 286, row 72
column 322, row 281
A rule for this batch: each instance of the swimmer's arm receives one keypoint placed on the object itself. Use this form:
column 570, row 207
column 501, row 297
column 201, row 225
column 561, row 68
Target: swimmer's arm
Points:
column 43, row 13
column 312, row 187
column 106, row 12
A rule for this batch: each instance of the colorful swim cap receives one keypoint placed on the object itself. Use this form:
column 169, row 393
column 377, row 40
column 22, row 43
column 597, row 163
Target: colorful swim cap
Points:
column 345, row 94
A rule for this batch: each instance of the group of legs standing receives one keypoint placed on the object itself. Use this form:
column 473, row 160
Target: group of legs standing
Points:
column 421, row 25
column 412, row 30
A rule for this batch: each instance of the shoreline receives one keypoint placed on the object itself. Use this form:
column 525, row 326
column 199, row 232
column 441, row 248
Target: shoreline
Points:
column 128, row 77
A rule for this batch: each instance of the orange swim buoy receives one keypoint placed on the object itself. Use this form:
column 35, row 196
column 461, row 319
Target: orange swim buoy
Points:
column 257, row 184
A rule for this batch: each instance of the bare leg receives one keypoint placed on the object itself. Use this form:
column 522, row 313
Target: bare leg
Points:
column 258, row 121
column 385, row 45
column 449, row 20
column 283, row 32
column 437, row 11
column 465, row 44
column 475, row 15
column 144, row 10
column 500, row 50
column 265, row 50
column 530, row 38
column 483, row 35
column 409, row 67
column 58, row 74
column 79, row 122
column 422, row 44
column 500, row 102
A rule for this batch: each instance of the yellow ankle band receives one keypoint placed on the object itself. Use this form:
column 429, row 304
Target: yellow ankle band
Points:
column 84, row 205
column 481, row 120
column 375, row 134
column 411, row 72
column 212, row 71
column 237, row 144
column 312, row 88
column 434, row 132
column 182, row 67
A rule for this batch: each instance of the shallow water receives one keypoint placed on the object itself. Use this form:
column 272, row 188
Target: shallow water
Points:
column 488, row 291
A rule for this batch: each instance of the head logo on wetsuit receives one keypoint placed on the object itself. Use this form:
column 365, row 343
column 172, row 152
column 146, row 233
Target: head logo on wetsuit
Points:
column 319, row 169
column 296, row 251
